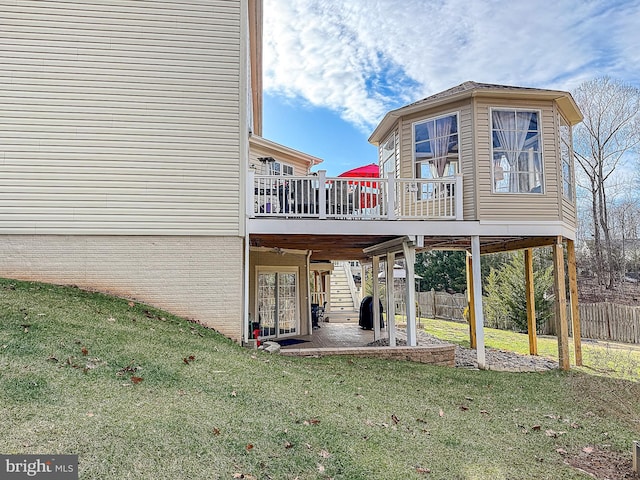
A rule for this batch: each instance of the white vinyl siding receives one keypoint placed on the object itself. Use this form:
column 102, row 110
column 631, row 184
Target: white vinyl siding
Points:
column 120, row 117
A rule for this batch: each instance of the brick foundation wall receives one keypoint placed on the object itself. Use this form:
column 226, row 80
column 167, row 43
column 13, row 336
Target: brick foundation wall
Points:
column 198, row 277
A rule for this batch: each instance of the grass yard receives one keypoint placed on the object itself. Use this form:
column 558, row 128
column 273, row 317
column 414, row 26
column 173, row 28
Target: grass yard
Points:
column 605, row 358
column 139, row 394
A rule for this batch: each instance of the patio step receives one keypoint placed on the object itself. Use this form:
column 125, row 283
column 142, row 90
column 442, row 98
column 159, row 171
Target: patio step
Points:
column 344, row 316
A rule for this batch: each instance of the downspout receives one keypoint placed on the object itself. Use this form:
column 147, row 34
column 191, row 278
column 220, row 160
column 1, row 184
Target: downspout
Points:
column 244, row 106
column 245, row 293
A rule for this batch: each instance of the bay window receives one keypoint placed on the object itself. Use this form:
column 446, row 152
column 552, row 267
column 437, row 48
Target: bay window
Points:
column 566, row 156
column 516, row 151
column 436, row 147
column 389, row 161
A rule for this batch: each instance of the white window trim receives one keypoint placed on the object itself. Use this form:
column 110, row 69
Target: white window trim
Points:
column 542, row 157
column 280, row 269
column 396, row 154
column 572, row 165
column 413, row 140
column 282, row 164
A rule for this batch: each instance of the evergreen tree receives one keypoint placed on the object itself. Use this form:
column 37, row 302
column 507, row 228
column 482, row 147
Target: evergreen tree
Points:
column 442, row 270
column 505, row 301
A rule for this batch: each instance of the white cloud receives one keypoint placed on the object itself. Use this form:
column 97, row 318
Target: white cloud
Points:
column 364, row 57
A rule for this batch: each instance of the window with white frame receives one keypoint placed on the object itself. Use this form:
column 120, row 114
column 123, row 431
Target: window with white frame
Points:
column 566, row 156
column 516, row 151
column 388, row 158
column 435, row 142
column 278, row 168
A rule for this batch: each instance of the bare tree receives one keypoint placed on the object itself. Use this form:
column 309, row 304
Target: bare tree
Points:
column 609, row 132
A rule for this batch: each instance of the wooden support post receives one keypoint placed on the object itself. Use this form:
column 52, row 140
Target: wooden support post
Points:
column 562, row 328
column 573, row 297
column 477, row 287
column 375, row 266
column 470, row 302
column 391, row 305
column 531, row 301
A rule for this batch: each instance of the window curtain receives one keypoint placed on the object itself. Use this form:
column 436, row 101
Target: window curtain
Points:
column 511, row 128
column 439, row 137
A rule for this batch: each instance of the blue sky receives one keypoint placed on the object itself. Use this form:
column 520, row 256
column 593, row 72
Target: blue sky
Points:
column 333, row 68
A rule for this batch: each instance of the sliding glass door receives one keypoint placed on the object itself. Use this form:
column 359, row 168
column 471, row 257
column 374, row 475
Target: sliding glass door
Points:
column 277, row 297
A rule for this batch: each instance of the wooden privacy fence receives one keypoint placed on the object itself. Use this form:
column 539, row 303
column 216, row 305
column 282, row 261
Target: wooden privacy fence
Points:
column 606, row 321
column 600, row 321
column 442, row 305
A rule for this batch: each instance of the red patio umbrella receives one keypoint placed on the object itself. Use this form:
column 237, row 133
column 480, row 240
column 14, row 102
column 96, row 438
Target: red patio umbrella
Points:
column 367, row 171
column 368, row 199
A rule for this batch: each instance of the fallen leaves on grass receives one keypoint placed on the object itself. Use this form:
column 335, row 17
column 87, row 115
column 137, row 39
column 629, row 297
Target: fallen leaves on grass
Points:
column 288, row 445
column 441, row 413
column 395, row 419
column 131, row 304
column 189, row 359
column 553, row 433
column 131, row 368
column 136, row 380
column 423, row 470
column 313, row 421
column 249, row 447
column 244, row 476
column 85, row 351
column 324, row 453
column 216, row 431
column 234, row 394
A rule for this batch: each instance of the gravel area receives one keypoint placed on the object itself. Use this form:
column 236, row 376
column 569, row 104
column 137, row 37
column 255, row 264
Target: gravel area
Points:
column 499, row 360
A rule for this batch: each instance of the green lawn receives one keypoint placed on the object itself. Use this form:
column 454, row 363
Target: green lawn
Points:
column 140, row 394
column 605, row 358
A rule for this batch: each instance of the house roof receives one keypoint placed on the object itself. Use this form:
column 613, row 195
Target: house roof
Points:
column 284, row 150
column 475, row 89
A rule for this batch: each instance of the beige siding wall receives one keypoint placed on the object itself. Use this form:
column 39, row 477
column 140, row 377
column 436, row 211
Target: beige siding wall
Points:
column 493, row 206
column 466, row 139
column 196, row 277
column 120, row 117
column 270, row 259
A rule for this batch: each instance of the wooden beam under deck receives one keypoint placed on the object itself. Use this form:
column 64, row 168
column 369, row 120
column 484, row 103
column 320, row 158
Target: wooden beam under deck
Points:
column 350, row 247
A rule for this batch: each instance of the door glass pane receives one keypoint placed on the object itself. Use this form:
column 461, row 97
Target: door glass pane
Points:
column 286, row 303
column 267, row 303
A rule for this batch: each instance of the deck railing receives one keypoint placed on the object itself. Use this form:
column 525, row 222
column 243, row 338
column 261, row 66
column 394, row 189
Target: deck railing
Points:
column 322, row 197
